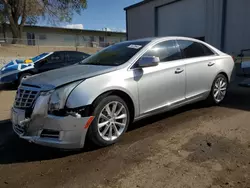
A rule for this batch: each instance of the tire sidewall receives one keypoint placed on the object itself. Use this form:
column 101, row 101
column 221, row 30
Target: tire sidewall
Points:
column 93, row 133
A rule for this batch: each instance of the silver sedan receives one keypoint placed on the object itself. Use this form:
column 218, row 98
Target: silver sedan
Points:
column 101, row 96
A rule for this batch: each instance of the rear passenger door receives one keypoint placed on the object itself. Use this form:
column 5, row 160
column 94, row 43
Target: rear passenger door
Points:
column 200, row 67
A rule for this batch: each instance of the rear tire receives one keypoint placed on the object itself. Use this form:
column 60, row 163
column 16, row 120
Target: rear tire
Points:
column 111, row 121
column 23, row 76
column 218, row 90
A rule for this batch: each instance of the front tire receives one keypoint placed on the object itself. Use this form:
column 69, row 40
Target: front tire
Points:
column 111, row 121
column 218, row 90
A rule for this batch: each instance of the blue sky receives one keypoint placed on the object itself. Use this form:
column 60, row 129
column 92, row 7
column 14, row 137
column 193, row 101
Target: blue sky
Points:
column 104, row 13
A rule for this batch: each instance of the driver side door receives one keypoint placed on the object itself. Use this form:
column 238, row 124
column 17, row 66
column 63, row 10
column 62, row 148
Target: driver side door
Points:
column 163, row 85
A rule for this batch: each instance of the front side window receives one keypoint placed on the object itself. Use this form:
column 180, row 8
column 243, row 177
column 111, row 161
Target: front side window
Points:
column 56, row 57
column 166, row 51
column 115, row 55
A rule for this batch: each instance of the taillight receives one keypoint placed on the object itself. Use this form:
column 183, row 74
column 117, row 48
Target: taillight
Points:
column 233, row 57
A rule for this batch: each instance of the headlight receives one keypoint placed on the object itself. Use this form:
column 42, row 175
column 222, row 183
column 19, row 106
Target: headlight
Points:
column 59, row 96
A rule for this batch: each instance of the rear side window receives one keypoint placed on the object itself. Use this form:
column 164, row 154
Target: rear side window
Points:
column 75, row 56
column 191, row 49
column 207, row 51
column 166, row 51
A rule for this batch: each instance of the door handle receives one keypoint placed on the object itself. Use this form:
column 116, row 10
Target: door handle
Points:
column 179, row 70
column 210, row 64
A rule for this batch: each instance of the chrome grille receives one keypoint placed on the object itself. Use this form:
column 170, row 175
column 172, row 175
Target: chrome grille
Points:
column 18, row 129
column 25, row 98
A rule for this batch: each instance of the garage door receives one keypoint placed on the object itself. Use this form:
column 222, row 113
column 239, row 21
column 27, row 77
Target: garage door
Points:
column 183, row 18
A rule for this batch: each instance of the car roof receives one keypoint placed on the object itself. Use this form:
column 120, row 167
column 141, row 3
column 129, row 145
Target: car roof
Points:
column 155, row 39
column 68, row 51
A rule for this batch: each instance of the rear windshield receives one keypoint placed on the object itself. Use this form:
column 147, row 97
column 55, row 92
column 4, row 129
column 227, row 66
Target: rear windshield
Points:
column 115, row 55
column 34, row 59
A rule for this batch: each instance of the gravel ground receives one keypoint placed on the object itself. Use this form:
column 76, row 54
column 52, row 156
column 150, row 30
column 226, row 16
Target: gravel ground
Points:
column 195, row 146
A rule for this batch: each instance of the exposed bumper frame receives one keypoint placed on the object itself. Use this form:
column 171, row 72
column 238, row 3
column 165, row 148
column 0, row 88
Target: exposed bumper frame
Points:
column 72, row 130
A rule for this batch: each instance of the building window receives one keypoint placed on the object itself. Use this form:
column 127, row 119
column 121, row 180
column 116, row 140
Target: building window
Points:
column 92, row 38
column 69, row 38
column 42, row 37
column 86, row 38
column 1, row 7
column 101, row 39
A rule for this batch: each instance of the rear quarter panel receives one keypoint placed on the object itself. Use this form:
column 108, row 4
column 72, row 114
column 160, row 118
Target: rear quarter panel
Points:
column 225, row 64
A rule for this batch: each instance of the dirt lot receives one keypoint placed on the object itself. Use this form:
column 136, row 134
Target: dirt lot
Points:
column 195, row 146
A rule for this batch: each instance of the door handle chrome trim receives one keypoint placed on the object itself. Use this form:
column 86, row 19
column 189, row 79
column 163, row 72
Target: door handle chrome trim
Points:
column 179, row 70
column 210, row 64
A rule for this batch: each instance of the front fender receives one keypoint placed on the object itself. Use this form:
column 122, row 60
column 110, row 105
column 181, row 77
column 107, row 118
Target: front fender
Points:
column 90, row 89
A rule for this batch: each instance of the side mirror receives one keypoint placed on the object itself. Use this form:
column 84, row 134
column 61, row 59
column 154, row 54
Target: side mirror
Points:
column 148, row 61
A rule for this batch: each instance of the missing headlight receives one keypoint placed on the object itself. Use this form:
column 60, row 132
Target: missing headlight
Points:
column 79, row 112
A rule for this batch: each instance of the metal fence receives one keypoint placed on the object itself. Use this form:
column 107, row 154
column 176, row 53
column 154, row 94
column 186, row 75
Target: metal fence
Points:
column 26, row 48
column 57, row 42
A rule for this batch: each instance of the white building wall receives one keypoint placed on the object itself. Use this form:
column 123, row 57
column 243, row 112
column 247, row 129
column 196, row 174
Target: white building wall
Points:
column 54, row 37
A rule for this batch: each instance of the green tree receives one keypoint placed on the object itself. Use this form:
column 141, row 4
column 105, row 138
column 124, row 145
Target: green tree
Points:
column 21, row 12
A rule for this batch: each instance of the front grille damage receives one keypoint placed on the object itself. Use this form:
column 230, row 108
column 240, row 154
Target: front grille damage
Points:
column 25, row 98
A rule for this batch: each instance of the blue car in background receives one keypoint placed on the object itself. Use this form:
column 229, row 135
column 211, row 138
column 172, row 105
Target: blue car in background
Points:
column 17, row 70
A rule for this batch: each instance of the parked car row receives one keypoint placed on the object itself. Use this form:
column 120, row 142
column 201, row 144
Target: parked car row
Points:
column 99, row 97
column 16, row 70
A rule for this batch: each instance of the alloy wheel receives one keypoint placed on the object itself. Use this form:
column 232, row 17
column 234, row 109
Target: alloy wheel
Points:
column 112, row 121
column 220, row 89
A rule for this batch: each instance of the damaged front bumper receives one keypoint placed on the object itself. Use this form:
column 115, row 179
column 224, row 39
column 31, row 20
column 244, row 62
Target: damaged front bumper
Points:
column 66, row 132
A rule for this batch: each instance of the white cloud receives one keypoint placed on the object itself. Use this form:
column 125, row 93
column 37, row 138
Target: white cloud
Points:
column 106, row 29
column 113, row 29
column 75, row 26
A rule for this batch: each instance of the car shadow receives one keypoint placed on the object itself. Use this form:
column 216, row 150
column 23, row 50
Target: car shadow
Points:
column 155, row 118
column 15, row 150
column 237, row 97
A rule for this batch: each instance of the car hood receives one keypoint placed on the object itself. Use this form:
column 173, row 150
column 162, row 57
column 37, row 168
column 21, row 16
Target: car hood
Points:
column 55, row 78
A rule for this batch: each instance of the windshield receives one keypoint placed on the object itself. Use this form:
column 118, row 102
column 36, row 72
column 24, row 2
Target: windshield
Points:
column 116, row 55
column 34, row 59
